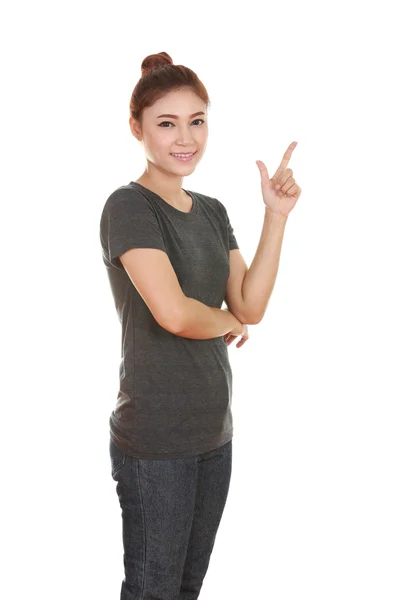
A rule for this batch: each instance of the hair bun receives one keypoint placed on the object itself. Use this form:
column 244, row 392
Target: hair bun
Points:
column 154, row 61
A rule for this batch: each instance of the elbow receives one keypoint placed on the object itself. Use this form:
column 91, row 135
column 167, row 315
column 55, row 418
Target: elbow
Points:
column 250, row 317
column 255, row 319
column 252, row 321
column 173, row 321
column 245, row 317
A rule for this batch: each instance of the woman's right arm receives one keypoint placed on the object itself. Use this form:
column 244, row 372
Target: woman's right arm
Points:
column 201, row 322
column 152, row 274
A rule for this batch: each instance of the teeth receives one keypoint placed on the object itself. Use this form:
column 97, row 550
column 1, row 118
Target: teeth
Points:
column 183, row 155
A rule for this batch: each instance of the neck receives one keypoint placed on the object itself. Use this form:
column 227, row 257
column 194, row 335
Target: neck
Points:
column 171, row 190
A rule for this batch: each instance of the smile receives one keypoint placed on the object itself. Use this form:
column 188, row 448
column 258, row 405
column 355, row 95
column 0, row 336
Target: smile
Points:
column 184, row 157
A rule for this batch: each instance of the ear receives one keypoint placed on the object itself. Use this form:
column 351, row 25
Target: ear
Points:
column 135, row 129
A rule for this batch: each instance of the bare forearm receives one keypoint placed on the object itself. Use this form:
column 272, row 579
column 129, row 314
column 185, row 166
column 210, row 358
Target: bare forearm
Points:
column 202, row 322
column 260, row 278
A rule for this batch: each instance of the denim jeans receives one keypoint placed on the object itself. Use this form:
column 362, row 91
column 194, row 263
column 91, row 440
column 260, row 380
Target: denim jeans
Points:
column 171, row 510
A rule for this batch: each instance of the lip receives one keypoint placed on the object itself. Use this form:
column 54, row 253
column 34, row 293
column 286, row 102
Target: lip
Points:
column 192, row 152
column 190, row 156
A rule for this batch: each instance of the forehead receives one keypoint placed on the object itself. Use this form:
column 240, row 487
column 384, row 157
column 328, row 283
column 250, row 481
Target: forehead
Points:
column 178, row 102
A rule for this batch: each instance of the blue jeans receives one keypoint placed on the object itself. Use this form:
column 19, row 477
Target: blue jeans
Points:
column 171, row 510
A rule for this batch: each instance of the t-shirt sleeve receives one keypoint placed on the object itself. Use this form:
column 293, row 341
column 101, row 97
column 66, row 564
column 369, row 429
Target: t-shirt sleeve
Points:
column 233, row 244
column 129, row 221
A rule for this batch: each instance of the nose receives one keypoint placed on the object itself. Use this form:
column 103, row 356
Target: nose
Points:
column 185, row 137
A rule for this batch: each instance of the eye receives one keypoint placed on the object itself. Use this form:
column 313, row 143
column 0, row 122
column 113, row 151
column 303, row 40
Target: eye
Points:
column 169, row 123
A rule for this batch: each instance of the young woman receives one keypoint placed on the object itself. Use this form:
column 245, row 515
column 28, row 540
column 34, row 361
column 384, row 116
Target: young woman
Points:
column 172, row 259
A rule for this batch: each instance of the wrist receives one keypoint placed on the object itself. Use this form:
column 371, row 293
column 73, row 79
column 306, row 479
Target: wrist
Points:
column 275, row 216
column 241, row 327
column 236, row 324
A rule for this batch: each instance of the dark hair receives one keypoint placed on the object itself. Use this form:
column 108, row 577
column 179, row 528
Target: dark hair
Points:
column 159, row 77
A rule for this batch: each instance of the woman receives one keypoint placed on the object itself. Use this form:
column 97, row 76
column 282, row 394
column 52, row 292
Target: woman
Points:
column 172, row 259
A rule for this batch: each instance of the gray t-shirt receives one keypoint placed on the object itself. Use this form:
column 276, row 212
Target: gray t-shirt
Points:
column 174, row 398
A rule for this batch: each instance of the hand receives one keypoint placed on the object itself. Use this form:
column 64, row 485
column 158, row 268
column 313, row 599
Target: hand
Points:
column 281, row 192
column 237, row 332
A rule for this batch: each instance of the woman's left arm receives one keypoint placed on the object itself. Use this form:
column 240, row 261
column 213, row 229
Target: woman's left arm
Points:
column 260, row 278
column 280, row 194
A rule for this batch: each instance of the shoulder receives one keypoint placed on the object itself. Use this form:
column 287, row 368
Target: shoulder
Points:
column 126, row 193
column 126, row 199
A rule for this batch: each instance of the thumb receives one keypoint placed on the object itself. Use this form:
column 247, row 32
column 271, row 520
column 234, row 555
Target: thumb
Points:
column 263, row 171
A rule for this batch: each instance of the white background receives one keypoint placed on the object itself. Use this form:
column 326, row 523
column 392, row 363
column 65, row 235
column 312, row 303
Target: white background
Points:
column 313, row 507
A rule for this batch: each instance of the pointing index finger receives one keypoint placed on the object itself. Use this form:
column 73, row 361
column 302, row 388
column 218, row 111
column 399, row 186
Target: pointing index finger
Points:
column 286, row 158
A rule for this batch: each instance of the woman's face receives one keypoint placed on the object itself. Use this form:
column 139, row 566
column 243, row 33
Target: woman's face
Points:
column 182, row 131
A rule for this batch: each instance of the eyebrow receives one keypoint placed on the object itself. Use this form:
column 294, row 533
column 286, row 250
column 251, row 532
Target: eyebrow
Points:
column 176, row 116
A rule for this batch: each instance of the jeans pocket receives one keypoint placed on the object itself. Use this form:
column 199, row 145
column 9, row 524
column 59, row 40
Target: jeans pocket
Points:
column 117, row 458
